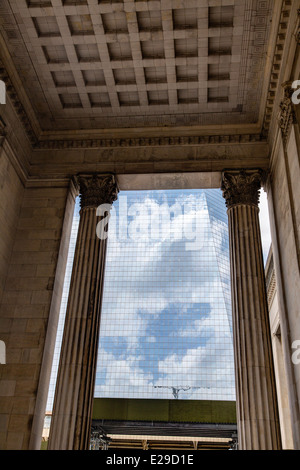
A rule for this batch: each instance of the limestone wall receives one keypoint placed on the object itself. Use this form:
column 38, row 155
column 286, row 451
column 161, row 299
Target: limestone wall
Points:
column 31, row 220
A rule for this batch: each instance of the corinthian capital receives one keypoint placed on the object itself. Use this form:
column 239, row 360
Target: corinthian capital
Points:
column 287, row 116
column 242, row 187
column 96, row 189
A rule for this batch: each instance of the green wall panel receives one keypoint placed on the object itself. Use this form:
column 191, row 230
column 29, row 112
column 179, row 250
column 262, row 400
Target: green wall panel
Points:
column 165, row 410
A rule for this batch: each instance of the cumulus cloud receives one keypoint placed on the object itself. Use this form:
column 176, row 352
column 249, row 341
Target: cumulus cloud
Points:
column 162, row 326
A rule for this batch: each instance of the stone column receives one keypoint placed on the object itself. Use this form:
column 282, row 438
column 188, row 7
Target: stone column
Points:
column 257, row 414
column 72, row 413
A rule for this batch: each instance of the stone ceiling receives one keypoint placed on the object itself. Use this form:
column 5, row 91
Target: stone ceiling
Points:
column 92, row 64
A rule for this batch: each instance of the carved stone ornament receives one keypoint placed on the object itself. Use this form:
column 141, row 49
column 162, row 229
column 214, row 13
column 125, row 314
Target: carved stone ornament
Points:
column 287, row 115
column 97, row 189
column 242, row 187
column 2, row 131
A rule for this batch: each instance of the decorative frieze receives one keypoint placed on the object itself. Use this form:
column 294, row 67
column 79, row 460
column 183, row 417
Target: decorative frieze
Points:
column 97, row 189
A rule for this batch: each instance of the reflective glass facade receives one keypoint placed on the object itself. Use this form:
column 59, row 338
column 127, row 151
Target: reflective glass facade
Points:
column 166, row 328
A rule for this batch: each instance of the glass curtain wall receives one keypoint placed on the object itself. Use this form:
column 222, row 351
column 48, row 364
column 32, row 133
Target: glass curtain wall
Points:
column 166, row 327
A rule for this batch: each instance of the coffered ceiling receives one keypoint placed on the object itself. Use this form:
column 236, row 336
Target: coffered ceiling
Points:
column 92, row 64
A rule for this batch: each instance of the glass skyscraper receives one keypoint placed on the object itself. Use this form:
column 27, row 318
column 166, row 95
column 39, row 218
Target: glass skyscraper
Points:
column 166, row 326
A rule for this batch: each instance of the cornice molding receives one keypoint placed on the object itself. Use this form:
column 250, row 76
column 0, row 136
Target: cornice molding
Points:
column 287, row 115
column 147, row 141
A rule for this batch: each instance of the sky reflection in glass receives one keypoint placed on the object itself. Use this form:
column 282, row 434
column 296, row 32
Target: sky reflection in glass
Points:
column 166, row 327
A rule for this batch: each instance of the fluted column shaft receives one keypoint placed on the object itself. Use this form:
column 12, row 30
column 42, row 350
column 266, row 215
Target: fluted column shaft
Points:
column 72, row 412
column 257, row 415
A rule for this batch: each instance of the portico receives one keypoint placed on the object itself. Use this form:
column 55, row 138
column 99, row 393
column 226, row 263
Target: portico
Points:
column 171, row 108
